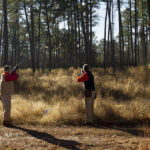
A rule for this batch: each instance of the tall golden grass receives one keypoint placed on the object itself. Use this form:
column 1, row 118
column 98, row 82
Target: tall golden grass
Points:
column 57, row 98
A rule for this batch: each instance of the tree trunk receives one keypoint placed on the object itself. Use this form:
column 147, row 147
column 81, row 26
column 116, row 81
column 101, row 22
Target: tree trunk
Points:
column 75, row 34
column 131, row 35
column 121, row 41
column 31, row 33
column 111, row 36
column 1, row 35
column 17, row 35
column 72, row 39
column 143, row 37
column 32, row 38
column 91, row 41
column 105, row 53
column 135, row 42
column 108, row 47
column 49, row 34
column 44, row 54
column 5, row 36
column 148, row 1
column 69, row 38
column 85, row 35
column 12, row 45
column 18, row 41
column 39, row 37
column 88, row 51
column 79, row 36
column 128, row 59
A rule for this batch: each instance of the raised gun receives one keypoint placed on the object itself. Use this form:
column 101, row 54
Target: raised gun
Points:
column 16, row 67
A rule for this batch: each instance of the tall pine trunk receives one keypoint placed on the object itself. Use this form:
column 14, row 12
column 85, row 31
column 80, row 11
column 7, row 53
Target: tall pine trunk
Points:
column 121, row 41
column 79, row 35
column 110, row 16
column 91, row 41
column 5, row 35
column 144, row 47
column 1, row 35
column 31, row 34
column 135, row 42
column 75, row 34
column 131, row 34
column 39, row 37
column 105, row 53
column 148, row 1
column 32, row 39
column 49, row 35
column 88, row 56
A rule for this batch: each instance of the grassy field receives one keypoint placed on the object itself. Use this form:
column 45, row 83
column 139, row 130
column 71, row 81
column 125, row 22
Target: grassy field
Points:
column 46, row 106
column 57, row 98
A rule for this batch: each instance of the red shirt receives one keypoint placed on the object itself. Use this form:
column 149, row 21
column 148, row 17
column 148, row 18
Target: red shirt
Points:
column 10, row 77
column 83, row 78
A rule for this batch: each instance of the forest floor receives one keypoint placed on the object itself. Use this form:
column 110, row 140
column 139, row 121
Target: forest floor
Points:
column 64, row 137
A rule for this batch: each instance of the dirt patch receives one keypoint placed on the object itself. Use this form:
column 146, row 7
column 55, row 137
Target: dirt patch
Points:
column 71, row 137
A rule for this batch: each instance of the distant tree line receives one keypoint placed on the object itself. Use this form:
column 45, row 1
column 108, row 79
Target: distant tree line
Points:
column 132, row 45
column 31, row 30
column 59, row 33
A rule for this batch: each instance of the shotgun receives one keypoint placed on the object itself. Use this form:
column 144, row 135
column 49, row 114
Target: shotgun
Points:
column 16, row 67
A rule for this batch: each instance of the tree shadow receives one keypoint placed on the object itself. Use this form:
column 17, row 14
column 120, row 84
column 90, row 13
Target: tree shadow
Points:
column 113, row 120
column 132, row 130
column 127, row 127
column 118, row 94
column 69, row 144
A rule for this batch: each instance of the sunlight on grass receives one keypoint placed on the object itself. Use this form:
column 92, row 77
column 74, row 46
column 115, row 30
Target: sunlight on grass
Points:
column 120, row 99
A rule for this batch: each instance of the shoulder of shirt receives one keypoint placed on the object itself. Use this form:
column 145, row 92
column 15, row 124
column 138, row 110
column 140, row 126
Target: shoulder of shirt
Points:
column 85, row 73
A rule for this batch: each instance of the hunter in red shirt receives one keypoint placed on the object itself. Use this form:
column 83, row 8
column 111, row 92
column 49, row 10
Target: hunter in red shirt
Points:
column 89, row 93
column 6, row 90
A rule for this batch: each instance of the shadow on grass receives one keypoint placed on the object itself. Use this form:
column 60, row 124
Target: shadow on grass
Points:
column 133, row 130
column 118, row 94
column 69, row 144
column 112, row 120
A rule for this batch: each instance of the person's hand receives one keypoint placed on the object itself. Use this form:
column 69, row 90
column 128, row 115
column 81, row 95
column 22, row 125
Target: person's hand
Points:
column 82, row 72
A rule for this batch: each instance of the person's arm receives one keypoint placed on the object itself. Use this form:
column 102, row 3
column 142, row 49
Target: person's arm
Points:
column 83, row 78
column 11, row 77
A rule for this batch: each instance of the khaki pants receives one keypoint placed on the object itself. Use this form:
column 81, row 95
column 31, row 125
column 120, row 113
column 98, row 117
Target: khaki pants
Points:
column 6, row 101
column 89, row 107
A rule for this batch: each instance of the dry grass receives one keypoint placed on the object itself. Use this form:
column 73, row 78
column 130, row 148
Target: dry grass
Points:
column 121, row 99
column 144, row 141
